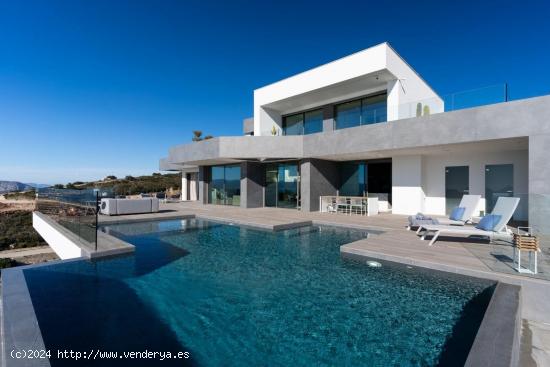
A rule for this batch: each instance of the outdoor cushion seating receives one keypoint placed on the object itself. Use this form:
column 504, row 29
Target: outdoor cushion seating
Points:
column 129, row 206
column 501, row 215
column 468, row 202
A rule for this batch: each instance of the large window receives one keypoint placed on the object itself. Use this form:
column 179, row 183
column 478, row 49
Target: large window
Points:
column 282, row 188
column 225, row 185
column 303, row 123
column 365, row 111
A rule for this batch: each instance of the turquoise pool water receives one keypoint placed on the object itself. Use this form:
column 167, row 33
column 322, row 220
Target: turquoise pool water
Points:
column 238, row 296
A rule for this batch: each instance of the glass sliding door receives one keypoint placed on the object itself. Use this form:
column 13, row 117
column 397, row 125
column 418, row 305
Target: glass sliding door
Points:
column 233, row 185
column 374, row 109
column 348, row 114
column 287, row 185
column 499, row 181
column 225, row 185
column 271, row 174
column 365, row 111
column 282, row 185
column 313, row 122
column 293, row 125
column 457, row 184
column 353, row 179
column 217, row 192
column 303, row 123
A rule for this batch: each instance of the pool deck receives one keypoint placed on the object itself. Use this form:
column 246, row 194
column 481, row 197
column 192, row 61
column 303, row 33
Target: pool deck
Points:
column 392, row 242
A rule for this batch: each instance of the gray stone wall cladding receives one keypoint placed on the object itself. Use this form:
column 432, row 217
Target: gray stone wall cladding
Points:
column 252, row 185
column 318, row 177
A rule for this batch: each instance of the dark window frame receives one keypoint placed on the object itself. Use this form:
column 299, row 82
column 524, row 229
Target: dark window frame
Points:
column 303, row 114
column 360, row 99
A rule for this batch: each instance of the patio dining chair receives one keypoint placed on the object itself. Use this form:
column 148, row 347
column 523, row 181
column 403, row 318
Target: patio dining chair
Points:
column 357, row 204
column 342, row 203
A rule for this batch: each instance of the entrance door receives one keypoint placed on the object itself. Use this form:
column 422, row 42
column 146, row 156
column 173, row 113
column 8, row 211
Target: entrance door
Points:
column 499, row 181
column 456, row 184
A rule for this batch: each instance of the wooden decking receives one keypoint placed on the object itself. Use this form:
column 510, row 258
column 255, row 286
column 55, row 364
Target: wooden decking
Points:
column 394, row 243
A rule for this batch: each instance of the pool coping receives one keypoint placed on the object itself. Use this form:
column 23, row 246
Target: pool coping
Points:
column 28, row 323
column 107, row 245
column 497, row 342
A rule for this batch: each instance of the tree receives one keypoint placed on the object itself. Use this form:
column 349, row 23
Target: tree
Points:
column 111, row 177
column 129, row 178
column 197, row 135
column 208, row 137
column 156, row 174
column 58, row 186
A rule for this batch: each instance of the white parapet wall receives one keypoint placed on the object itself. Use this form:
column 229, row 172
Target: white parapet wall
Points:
column 61, row 240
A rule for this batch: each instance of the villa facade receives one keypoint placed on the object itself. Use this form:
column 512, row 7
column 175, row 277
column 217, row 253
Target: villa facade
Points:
column 369, row 125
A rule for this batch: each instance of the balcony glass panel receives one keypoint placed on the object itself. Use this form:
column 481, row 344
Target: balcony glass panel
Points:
column 313, row 122
column 374, row 109
column 293, row 125
column 348, row 114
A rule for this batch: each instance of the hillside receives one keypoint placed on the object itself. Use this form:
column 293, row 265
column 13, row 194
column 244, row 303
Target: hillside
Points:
column 130, row 185
column 11, row 186
column 16, row 230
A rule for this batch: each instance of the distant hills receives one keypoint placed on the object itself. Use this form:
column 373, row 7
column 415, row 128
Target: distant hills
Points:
column 37, row 186
column 14, row 186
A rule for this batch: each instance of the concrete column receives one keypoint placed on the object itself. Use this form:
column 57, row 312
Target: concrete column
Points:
column 539, row 185
column 204, row 179
column 317, row 177
column 328, row 118
column 252, row 185
column 184, row 184
column 407, row 191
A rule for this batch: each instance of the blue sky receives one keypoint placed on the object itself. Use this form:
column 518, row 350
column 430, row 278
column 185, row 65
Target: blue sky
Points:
column 91, row 88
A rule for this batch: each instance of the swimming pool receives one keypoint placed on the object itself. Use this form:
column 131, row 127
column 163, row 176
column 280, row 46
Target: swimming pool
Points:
column 233, row 295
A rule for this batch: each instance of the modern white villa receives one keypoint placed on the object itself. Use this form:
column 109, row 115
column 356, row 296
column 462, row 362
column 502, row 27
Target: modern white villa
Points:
column 369, row 125
column 361, row 135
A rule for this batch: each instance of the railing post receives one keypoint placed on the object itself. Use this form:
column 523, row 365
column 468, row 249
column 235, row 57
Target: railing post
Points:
column 96, row 216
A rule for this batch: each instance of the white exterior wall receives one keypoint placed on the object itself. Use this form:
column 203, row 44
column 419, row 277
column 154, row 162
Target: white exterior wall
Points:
column 407, row 192
column 433, row 177
column 404, row 91
column 63, row 246
column 184, row 184
column 409, row 89
column 419, row 181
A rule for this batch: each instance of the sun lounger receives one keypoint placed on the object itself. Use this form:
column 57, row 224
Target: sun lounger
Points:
column 468, row 202
column 504, row 209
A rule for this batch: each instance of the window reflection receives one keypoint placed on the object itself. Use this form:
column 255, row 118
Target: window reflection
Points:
column 365, row 111
column 225, row 185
